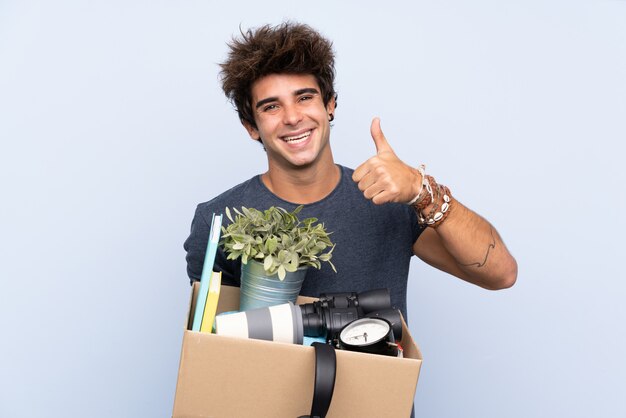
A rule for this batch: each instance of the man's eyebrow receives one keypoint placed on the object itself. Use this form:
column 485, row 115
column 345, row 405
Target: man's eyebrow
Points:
column 264, row 101
column 309, row 90
column 306, row 90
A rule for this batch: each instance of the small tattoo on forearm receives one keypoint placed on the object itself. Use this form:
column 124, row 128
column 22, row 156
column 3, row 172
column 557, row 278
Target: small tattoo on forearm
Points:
column 491, row 246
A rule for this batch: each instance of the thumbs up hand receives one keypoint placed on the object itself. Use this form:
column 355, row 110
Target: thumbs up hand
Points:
column 384, row 177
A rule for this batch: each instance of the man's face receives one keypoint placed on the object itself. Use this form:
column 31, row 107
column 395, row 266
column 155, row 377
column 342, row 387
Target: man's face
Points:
column 292, row 121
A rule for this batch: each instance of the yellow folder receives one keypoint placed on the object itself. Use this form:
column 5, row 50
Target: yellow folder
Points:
column 211, row 302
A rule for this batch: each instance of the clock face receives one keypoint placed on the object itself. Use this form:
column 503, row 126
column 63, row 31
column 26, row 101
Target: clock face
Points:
column 364, row 331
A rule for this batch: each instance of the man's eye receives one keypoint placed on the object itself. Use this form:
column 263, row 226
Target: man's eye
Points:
column 303, row 98
column 270, row 107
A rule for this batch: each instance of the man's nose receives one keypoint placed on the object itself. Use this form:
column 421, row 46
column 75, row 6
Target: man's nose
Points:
column 292, row 115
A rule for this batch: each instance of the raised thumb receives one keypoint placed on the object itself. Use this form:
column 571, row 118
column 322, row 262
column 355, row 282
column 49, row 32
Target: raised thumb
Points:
column 379, row 138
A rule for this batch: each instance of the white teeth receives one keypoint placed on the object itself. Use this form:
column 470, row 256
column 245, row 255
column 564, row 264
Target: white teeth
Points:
column 297, row 138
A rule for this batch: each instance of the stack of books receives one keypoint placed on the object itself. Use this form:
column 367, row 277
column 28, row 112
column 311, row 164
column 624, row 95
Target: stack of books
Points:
column 210, row 282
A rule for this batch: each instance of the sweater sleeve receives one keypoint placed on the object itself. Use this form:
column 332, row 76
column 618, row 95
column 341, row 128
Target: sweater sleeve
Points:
column 196, row 244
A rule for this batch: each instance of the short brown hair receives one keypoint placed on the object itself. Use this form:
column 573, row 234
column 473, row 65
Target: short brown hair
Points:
column 288, row 48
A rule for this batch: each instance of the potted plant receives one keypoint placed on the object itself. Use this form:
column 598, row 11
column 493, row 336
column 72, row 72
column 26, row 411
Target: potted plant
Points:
column 276, row 249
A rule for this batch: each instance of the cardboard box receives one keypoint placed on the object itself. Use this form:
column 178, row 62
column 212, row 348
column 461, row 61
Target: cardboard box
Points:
column 227, row 377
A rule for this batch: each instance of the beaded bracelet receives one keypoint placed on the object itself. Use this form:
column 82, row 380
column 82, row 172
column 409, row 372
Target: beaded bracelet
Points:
column 439, row 213
column 441, row 206
column 444, row 210
column 433, row 209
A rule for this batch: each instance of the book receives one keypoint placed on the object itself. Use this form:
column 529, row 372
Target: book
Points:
column 207, row 270
column 208, row 318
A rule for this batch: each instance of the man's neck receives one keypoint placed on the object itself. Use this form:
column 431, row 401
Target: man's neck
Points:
column 304, row 185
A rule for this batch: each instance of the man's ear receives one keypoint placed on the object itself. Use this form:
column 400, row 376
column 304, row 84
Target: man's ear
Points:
column 330, row 106
column 252, row 131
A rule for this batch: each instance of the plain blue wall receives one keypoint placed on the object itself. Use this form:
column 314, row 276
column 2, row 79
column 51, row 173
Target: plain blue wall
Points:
column 113, row 128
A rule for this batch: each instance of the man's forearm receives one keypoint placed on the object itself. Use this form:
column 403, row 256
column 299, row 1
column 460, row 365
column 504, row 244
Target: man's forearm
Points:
column 476, row 248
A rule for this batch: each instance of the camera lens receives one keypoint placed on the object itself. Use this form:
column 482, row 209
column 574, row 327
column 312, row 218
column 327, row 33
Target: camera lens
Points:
column 327, row 322
column 374, row 300
column 313, row 325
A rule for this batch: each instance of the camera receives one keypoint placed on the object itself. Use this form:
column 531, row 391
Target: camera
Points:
column 324, row 318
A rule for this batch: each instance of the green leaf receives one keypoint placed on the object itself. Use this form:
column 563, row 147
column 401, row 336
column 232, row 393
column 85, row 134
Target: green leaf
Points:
column 280, row 257
column 294, row 259
column 290, row 267
column 271, row 244
column 308, row 222
column 300, row 245
column 267, row 263
column 233, row 256
column 228, row 215
column 285, row 240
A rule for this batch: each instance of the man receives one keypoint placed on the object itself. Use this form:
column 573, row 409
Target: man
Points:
column 281, row 80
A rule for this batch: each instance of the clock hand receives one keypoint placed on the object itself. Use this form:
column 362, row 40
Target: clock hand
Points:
column 356, row 337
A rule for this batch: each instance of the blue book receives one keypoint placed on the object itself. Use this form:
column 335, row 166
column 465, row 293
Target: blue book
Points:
column 207, row 270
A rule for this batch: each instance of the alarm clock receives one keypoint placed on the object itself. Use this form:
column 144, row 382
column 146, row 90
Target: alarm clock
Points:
column 368, row 335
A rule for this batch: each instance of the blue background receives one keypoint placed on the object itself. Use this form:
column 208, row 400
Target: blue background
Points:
column 113, row 127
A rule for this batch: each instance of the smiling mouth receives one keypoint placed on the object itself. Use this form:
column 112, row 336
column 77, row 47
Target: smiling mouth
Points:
column 297, row 138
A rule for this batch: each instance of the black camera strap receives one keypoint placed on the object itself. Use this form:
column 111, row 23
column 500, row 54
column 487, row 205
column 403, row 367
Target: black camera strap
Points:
column 325, row 371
